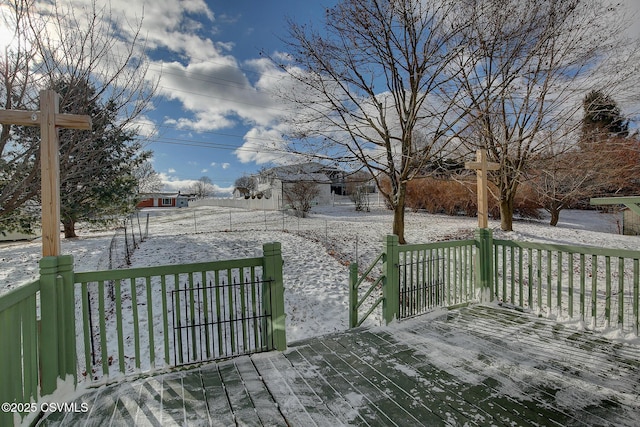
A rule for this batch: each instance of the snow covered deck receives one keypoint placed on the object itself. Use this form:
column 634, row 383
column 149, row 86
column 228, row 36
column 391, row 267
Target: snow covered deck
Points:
column 478, row 366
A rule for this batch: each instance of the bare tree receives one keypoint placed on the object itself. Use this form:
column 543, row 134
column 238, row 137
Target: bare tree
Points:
column 299, row 195
column 570, row 179
column 358, row 187
column 203, row 187
column 375, row 89
column 534, row 59
column 148, row 179
column 562, row 176
column 19, row 176
column 599, row 159
column 245, row 185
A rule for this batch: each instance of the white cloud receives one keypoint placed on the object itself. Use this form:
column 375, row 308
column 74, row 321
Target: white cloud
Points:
column 175, row 184
column 204, row 171
column 223, row 191
column 145, row 127
column 172, row 183
column 170, row 24
column 217, row 93
column 171, row 170
column 264, row 145
column 226, row 165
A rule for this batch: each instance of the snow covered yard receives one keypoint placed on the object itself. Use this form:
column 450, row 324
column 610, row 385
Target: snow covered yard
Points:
column 316, row 250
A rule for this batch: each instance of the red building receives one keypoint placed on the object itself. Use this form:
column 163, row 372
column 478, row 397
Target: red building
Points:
column 163, row 200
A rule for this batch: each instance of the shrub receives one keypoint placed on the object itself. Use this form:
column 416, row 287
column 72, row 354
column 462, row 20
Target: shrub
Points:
column 459, row 197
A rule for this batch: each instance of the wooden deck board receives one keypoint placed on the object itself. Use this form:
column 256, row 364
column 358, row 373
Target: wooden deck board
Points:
column 220, row 413
column 497, row 380
column 442, row 386
column 265, row 407
column 300, row 403
column 241, row 404
column 481, row 365
column 402, row 383
column 387, row 396
column 149, row 404
column 330, row 368
column 172, row 401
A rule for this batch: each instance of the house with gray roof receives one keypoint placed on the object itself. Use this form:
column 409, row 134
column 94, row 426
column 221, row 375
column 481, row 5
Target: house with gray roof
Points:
column 274, row 182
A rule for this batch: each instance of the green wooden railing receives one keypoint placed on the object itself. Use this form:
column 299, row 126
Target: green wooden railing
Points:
column 365, row 290
column 37, row 332
column 134, row 320
column 19, row 356
column 596, row 286
column 144, row 318
column 413, row 279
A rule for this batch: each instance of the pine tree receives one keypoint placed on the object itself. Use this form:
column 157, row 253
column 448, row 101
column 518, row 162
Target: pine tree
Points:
column 97, row 167
column 98, row 180
column 602, row 118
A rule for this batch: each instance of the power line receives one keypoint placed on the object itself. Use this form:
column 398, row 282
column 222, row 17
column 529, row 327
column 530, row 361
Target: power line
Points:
column 219, row 146
column 208, row 132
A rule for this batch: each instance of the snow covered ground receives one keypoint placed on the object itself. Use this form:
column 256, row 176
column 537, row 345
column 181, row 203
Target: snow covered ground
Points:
column 316, row 250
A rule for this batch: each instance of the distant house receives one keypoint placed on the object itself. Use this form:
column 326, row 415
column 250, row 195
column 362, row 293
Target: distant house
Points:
column 274, row 182
column 12, row 236
column 164, row 200
column 241, row 192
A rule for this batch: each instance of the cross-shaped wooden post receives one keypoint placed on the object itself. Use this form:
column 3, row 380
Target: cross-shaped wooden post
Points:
column 49, row 120
column 481, row 166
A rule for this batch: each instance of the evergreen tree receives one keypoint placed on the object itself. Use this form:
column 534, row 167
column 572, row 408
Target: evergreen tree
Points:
column 602, row 118
column 97, row 167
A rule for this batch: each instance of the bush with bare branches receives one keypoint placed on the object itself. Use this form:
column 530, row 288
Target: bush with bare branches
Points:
column 459, row 197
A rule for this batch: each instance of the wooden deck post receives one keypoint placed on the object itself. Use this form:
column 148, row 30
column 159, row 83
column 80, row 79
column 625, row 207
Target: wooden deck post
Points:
column 274, row 291
column 390, row 285
column 58, row 322
column 484, row 264
column 49, row 363
column 483, row 235
column 353, row 294
column 66, row 317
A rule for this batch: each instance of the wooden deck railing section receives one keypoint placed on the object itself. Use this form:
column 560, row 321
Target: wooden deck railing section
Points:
column 598, row 287
column 413, row 279
column 208, row 311
column 19, row 320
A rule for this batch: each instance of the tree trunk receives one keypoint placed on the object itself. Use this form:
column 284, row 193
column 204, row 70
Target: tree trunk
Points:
column 506, row 214
column 555, row 216
column 69, row 229
column 398, row 213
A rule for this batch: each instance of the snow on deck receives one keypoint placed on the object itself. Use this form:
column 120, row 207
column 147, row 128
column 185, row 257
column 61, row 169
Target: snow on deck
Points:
column 480, row 365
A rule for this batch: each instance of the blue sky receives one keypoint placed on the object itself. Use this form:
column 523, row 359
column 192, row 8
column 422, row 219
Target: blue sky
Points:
column 214, row 112
column 214, row 87
column 214, row 108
